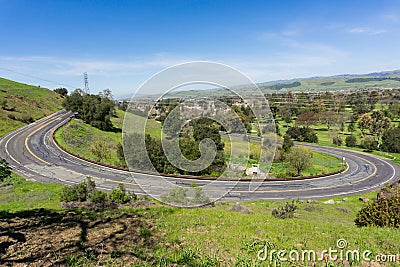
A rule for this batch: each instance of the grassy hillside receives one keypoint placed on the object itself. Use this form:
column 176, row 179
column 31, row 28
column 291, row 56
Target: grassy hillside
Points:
column 21, row 103
column 41, row 233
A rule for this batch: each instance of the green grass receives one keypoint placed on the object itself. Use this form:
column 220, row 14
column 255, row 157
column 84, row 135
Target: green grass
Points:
column 26, row 195
column 77, row 136
column 217, row 235
column 227, row 234
column 24, row 100
column 321, row 164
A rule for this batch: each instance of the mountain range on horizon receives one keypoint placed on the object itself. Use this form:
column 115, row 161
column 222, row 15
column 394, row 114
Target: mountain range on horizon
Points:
column 314, row 83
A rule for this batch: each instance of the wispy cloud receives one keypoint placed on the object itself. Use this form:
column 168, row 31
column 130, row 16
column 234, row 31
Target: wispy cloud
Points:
column 366, row 30
column 71, row 67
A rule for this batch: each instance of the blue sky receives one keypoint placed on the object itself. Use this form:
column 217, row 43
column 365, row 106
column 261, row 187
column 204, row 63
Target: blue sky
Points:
column 122, row 43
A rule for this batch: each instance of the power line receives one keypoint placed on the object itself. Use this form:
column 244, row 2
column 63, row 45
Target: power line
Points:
column 38, row 78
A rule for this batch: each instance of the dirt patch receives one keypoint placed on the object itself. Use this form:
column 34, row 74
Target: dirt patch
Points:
column 46, row 238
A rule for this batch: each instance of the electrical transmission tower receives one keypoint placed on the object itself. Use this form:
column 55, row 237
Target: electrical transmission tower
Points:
column 86, row 81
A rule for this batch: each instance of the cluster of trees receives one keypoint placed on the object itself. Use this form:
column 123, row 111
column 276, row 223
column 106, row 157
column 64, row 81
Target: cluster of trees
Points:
column 302, row 134
column 189, row 141
column 62, row 91
column 95, row 110
column 339, row 112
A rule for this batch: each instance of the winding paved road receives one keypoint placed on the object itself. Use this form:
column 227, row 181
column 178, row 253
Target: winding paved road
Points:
column 33, row 154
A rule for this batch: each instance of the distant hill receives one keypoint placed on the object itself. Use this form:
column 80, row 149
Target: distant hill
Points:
column 375, row 80
column 384, row 79
column 22, row 103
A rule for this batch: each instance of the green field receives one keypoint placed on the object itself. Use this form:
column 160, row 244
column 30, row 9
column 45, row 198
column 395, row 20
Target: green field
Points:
column 19, row 102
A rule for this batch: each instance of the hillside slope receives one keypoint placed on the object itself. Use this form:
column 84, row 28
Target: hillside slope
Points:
column 22, row 103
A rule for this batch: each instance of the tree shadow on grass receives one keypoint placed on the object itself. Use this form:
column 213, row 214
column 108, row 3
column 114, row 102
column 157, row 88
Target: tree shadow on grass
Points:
column 46, row 238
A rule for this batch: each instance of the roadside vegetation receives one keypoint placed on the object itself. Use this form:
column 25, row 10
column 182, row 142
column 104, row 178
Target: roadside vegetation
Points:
column 38, row 229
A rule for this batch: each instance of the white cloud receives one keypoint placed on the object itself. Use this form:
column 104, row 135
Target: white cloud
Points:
column 70, row 66
column 364, row 30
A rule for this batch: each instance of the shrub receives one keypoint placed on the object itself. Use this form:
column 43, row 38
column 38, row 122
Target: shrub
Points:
column 5, row 171
column 286, row 211
column 80, row 192
column 26, row 119
column 11, row 117
column 351, row 141
column 369, row 143
column 337, row 140
column 119, row 195
column 98, row 197
column 383, row 212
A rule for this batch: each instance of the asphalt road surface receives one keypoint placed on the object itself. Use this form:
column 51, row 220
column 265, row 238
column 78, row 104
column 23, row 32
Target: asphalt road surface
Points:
column 33, row 154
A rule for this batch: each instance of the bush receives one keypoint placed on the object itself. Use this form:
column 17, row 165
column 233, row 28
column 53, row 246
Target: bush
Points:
column 26, row 119
column 383, row 212
column 11, row 117
column 286, row 211
column 5, row 171
column 99, row 197
column 369, row 143
column 80, row 192
column 351, row 141
column 337, row 140
column 119, row 195
column 302, row 134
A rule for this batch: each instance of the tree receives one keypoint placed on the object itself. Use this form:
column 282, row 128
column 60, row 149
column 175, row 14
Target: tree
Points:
column 364, row 122
column 95, row 110
column 207, row 128
column 342, row 126
column 287, row 143
column 5, row 171
column 307, row 118
column 337, row 140
column 391, row 140
column 369, row 143
column 352, row 127
column 61, row 91
column 379, row 123
column 351, row 141
column 299, row 159
column 302, row 134
column 286, row 114
column 100, row 150
column 330, row 119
